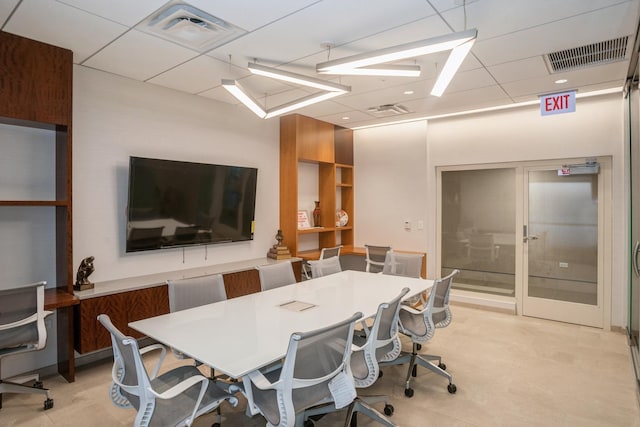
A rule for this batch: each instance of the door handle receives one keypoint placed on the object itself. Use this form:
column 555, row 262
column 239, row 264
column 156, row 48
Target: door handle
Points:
column 636, row 268
column 527, row 238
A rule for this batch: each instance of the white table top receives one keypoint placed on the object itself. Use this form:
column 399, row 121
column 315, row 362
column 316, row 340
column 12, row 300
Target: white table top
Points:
column 242, row 334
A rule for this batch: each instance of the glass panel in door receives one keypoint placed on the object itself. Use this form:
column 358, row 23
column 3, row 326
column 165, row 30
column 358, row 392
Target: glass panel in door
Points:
column 478, row 229
column 561, row 248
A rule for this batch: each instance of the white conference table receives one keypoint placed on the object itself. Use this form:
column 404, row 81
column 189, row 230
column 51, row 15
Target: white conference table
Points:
column 243, row 334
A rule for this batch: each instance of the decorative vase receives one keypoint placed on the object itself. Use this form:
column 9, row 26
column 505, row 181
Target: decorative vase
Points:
column 316, row 215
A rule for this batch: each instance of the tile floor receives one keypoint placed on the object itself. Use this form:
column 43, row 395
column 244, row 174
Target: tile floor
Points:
column 510, row 371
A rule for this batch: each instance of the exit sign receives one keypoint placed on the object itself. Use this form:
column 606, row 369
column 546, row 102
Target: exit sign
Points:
column 558, row 103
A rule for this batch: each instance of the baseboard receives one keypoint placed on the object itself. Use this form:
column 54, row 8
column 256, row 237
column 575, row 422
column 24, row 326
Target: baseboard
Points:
column 484, row 302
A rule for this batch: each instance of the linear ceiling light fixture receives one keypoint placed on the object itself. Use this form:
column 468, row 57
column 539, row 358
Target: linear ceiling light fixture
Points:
column 459, row 43
column 329, row 89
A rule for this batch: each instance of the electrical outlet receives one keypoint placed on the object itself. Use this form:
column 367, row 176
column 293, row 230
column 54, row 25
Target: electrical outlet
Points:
column 407, row 224
column 564, row 265
column 420, row 225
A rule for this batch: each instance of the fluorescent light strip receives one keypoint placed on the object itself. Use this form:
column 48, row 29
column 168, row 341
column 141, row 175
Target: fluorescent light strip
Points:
column 387, row 70
column 408, row 50
column 302, row 102
column 297, row 78
column 236, row 90
column 239, row 93
column 451, row 67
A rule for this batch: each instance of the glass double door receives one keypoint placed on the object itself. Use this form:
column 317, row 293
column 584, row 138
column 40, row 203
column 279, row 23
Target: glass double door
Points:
column 526, row 233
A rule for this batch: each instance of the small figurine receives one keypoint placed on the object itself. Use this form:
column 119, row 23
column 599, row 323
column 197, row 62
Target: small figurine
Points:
column 82, row 277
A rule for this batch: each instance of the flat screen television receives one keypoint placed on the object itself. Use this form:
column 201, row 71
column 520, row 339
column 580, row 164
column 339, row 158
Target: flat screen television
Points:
column 175, row 203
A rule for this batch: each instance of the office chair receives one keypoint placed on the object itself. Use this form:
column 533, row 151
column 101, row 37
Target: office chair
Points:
column 381, row 342
column 403, row 264
column 325, row 253
column 175, row 398
column 22, row 329
column 316, row 362
column 194, row 292
column 375, row 256
column 419, row 325
column 324, row 267
column 482, row 247
column 276, row 275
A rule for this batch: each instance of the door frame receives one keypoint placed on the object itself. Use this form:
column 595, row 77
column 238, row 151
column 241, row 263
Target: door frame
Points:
column 604, row 241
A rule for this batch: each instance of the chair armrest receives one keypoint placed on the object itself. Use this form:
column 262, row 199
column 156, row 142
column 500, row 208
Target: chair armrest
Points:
column 21, row 322
column 163, row 353
column 260, row 381
column 182, row 387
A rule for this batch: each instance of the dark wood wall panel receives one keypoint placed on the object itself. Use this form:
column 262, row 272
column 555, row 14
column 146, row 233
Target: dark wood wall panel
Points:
column 344, row 145
column 37, row 78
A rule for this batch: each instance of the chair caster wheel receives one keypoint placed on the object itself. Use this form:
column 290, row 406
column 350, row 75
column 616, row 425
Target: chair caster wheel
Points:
column 442, row 366
column 308, row 423
column 452, row 388
column 418, row 346
column 388, row 409
column 215, row 425
column 38, row 384
column 414, row 371
column 380, row 374
column 408, row 392
column 48, row 404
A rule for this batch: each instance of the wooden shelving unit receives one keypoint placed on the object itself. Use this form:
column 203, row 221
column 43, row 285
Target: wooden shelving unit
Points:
column 330, row 147
column 36, row 90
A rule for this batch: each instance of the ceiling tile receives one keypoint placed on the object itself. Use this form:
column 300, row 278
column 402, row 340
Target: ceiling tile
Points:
column 124, row 12
column 65, row 26
column 250, row 14
column 6, row 7
column 524, row 69
column 557, row 35
column 198, row 75
column 139, row 56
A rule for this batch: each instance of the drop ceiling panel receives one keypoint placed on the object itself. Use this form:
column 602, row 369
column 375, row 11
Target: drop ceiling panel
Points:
column 250, row 14
column 198, row 75
column 499, row 17
column 354, row 116
column 529, row 68
column 61, row 25
column 558, row 35
column 5, row 10
column 139, row 56
column 332, row 21
column 126, row 12
column 541, row 85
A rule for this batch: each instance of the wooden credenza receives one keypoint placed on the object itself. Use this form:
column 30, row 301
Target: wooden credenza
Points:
column 138, row 298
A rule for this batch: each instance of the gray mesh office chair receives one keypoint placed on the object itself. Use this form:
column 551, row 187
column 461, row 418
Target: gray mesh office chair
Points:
column 381, row 343
column 403, row 264
column 375, row 256
column 22, row 329
column 175, row 398
column 316, row 362
column 326, row 266
column 420, row 325
column 325, row 253
column 194, row 292
column 276, row 275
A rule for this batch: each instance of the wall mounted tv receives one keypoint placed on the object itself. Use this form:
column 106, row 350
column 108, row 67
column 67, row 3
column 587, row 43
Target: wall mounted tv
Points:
column 174, row 203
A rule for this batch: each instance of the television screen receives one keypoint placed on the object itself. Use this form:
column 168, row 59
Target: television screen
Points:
column 173, row 203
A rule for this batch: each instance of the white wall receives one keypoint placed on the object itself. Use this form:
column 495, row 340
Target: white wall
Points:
column 390, row 183
column 595, row 129
column 114, row 118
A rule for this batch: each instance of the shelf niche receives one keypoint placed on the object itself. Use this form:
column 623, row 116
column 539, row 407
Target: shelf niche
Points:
column 329, row 148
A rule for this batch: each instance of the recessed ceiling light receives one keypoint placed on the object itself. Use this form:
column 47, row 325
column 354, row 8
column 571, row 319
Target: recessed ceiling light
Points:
column 408, row 92
column 560, row 81
column 346, row 118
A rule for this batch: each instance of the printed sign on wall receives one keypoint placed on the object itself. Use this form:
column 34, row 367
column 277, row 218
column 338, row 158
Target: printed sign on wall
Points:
column 558, row 103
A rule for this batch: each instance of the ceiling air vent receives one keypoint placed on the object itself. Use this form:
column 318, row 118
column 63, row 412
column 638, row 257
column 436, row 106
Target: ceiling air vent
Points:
column 190, row 27
column 588, row 55
column 388, row 109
